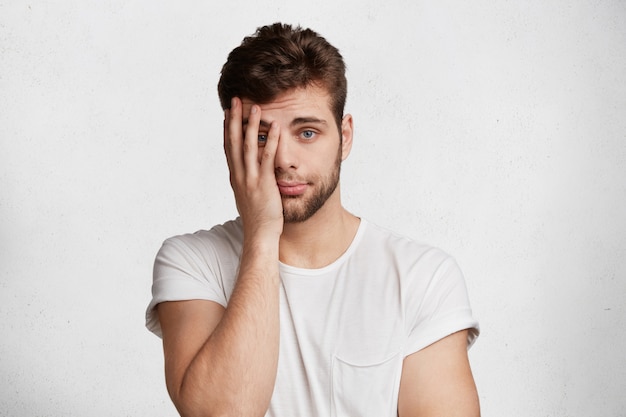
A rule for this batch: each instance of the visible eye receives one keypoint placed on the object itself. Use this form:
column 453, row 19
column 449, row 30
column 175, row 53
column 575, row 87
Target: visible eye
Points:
column 307, row 134
column 262, row 139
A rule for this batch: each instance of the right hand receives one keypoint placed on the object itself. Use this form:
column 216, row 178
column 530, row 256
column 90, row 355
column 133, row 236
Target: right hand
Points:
column 252, row 174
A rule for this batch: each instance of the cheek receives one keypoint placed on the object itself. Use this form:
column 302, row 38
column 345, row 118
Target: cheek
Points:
column 330, row 162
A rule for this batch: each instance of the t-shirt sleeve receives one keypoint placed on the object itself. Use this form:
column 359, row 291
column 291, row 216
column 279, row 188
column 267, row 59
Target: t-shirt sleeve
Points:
column 444, row 307
column 184, row 269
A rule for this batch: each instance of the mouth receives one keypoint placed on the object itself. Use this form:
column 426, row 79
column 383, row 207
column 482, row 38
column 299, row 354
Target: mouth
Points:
column 288, row 188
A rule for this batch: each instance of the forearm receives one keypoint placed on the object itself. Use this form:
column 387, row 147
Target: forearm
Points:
column 235, row 370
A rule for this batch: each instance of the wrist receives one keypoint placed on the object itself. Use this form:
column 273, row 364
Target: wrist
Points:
column 262, row 233
column 259, row 259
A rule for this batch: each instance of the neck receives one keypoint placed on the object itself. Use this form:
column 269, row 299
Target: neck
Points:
column 320, row 240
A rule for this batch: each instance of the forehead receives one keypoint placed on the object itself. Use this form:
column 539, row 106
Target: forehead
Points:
column 311, row 100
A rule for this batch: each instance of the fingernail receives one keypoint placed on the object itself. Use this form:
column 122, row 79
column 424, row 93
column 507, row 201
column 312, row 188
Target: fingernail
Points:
column 253, row 109
column 233, row 102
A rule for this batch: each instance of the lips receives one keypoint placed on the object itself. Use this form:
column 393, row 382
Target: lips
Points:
column 291, row 188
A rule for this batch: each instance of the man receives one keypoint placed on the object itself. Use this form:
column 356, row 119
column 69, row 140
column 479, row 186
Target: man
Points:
column 298, row 307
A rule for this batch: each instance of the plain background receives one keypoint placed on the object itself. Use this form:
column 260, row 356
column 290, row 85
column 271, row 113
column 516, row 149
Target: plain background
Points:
column 493, row 129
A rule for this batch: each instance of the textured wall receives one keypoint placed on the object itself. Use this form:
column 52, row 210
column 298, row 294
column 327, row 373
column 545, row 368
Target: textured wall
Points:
column 493, row 129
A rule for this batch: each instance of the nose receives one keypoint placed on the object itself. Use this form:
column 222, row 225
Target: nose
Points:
column 286, row 158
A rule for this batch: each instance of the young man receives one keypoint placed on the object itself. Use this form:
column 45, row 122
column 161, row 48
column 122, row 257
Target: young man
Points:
column 298, row 307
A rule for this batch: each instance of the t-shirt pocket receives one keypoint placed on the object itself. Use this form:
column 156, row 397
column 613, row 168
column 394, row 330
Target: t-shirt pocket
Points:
column 362, row 390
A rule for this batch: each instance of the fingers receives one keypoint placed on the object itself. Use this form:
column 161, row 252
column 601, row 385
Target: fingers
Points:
column 269, row 150
column 250, row 151
column 246, row 159
column 233, row 135
column 251, row 141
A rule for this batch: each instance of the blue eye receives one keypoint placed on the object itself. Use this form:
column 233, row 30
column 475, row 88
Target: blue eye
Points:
column 262, row 138
column 308, row 134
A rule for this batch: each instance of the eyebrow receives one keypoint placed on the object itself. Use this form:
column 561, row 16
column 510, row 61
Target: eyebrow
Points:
column 295, row 122
column 307, row 120
column 262, row 123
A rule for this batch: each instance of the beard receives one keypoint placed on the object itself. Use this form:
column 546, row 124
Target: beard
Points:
column 297, row 209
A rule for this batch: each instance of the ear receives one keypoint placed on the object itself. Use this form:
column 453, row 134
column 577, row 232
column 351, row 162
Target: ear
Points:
column 347, row 130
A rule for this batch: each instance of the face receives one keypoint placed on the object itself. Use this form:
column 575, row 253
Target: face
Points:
column 310, row 150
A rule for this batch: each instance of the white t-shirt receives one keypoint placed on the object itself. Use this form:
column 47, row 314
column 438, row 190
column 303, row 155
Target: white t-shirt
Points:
column 345, row 328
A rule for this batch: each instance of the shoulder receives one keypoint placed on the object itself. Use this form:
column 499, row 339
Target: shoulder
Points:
column 432, row 288
column 399, row 246
column 226, row 237
column 416, row 266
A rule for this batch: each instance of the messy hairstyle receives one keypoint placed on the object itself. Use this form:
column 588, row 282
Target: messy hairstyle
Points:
column 278, row 58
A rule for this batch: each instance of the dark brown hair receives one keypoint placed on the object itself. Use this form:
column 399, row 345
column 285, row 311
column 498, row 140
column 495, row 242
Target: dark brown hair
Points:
column 278, row 58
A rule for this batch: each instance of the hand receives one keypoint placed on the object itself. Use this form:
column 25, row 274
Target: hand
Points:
column 252, row 171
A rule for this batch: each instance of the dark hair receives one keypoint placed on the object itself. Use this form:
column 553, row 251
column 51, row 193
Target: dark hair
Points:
column 278, row 58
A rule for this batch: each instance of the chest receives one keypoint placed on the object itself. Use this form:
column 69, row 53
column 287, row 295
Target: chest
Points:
column 341, row 344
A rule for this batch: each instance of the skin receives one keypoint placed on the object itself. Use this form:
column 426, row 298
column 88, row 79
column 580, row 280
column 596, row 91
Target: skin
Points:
column 284, row 159
column 437, row 381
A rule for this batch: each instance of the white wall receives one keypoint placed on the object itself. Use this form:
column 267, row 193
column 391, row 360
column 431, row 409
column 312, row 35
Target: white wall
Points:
column 493, row 129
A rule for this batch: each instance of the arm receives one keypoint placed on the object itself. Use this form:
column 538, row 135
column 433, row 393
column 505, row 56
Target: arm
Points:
column 438, row 381
column 223, row 361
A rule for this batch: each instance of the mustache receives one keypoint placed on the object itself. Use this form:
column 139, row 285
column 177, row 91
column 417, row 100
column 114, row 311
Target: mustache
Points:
column 292, row 178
